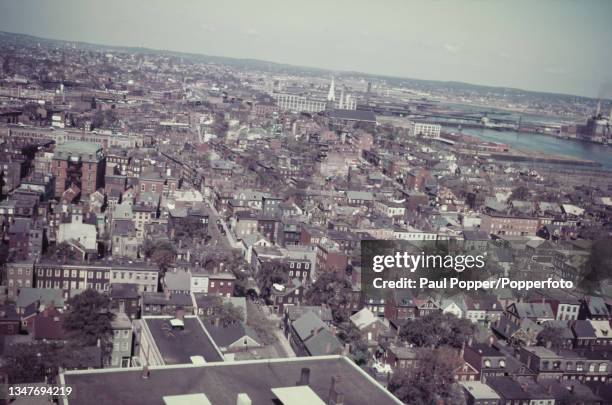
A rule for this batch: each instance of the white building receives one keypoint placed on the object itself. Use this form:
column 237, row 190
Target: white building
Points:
column 296, row 102
column 83, row 235
column 424, row 129
column 413, row 234
column 121, row 354
column 292, row 102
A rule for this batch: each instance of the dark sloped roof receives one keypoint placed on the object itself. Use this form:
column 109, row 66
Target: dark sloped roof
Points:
column 507, row 388
column 323, row 343
column 353, row 115
column 583, row 329
column 124, row 290
column 226, row 335
column 160, row 298
column 294, row 312
column 306, row 324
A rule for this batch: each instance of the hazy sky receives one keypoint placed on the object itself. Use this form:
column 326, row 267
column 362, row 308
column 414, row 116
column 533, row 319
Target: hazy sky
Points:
column 549, row 45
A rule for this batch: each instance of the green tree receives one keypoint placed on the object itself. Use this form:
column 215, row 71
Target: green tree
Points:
column 26, row 363
column 552, row 335
column 62, row 252
column 226, row 312
column 37, row 362
column 191, row 228
column 598, row 267
column 431, row 381
column 267, row 276
column 161, row 252
column 358, row 346
column 88, row 318
column 520, row 193
column 436, row 330
column 241, row 285
column 334, row 291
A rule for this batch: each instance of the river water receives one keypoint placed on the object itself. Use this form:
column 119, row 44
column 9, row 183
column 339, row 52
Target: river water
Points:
column 601, row 154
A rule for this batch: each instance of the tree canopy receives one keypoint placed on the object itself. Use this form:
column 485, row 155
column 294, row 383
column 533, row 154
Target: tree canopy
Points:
column 436, row 330
column 161, row 252
column 37, row 362
column 190, row 228
column 226, row 312
column 598, row 266
column 334, row 291
column 88, row 318
column 551, row 335
column 267, row 276
column 431, row 381
column 520, row 193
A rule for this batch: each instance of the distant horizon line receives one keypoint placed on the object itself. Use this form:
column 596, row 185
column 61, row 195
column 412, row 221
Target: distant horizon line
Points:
column 294, row 66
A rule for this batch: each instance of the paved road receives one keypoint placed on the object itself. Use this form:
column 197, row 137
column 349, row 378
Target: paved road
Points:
column 283, row 343
column 262, row 318
column 212, row 224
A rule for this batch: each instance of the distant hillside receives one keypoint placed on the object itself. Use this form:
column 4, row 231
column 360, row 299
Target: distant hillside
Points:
column 275, row 67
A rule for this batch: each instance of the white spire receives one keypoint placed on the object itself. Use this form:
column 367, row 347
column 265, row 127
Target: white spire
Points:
column 331, row 96
column 341, row 103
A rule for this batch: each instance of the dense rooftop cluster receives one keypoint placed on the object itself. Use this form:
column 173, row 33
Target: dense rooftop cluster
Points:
column 211, row 233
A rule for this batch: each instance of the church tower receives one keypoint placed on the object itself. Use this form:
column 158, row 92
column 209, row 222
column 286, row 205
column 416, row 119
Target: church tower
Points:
column 331, row 95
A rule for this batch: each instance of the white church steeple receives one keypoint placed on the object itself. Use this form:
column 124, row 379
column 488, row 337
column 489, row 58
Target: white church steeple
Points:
column 331, row 96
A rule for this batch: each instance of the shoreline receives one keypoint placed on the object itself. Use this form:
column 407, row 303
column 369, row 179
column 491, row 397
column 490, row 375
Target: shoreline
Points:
column 514, row 154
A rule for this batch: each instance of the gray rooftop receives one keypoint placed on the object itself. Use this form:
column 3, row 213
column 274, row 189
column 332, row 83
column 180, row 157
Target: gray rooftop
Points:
column 479, row 390
column 87, row 151
column 306, row 324
column 46, row 296
column 177, row 346
column 222, row 382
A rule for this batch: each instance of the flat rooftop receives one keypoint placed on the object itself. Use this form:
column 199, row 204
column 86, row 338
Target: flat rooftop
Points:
column 87, row 151
column 300, row 395
column 479, row 390
column 177, row 345
column 222, row 382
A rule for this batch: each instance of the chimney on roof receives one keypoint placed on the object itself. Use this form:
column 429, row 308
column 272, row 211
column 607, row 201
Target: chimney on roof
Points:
column 243, row 399
column 548, row 344
column 347, row 349
column 146, row 373
column 327, row 347
column 335, row 396
column 304, row 377
column 179, row 313
column 491, row 341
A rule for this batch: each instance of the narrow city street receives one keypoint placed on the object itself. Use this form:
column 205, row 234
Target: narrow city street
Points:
column 268, row 326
